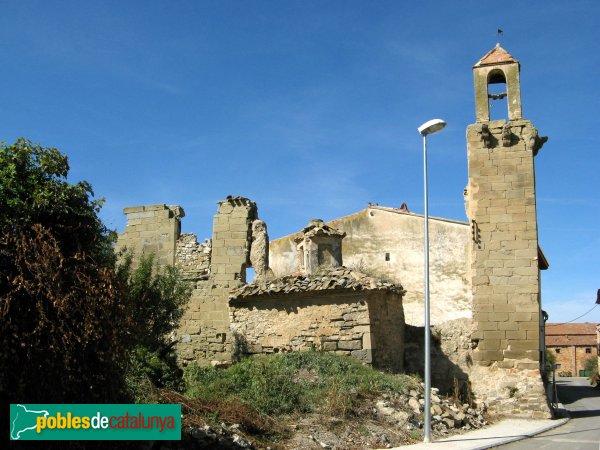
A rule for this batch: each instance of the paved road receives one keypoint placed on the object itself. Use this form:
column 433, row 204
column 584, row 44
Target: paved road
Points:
column 582, row 432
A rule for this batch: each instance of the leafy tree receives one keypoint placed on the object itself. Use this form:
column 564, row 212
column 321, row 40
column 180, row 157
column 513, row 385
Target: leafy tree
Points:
column 155, row 299
column 590, row 365
column 69, row 318
column 60, row 309
column 34, row 190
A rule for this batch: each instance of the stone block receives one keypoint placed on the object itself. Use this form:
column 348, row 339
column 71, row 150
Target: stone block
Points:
column 364, row 355
column 520, row 316
column 506, row 364
column 494, row 334
column 489, row 344
column 527, row 365
column 529, row 326
column 516, row 334
column 486, row 326
column 329, row 346
column 499, row 316
column 524, row 345
column 225, row 208
column 508, row 326
column 504, row 308
column 224, row 235
column 522, row 354
column 350, row 345
column 240, row 228
column 482, row 308
column 533, row 335
column 487, row 355
column 235, row 242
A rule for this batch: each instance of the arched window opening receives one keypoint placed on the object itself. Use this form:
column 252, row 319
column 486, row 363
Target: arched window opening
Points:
column 497, row 95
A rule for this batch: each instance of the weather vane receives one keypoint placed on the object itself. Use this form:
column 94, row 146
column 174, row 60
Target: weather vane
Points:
column 499, row 33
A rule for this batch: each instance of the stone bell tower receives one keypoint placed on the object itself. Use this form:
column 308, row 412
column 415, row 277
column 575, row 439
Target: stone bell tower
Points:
column 501, row 206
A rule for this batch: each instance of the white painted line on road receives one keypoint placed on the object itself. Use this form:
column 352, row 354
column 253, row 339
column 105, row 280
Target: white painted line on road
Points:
column 578, row 441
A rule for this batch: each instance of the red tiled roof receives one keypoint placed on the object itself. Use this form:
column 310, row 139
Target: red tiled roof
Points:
column 567, row 334
column 567, row 341
column 497, row 55
column 571, row 328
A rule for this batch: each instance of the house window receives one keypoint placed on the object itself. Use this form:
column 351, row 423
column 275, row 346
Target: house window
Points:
column 387, row 256
column 588, row 350
column 557, row 350
column 558, row 366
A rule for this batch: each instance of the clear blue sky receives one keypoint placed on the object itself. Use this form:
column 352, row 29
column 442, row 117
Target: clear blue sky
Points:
column 310, row 108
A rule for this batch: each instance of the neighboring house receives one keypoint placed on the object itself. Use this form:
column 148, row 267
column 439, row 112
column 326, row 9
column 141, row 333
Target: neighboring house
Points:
column 572, row 344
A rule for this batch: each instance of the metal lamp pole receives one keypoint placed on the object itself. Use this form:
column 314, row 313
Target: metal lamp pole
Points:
column 426, row 129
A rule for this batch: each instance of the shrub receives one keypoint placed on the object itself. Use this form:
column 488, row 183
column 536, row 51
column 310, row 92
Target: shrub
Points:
column 293, row 382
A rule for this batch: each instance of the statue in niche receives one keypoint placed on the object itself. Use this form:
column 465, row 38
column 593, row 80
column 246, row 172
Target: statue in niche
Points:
column 259, row 250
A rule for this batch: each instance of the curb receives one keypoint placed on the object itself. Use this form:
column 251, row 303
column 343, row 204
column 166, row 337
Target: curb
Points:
column 498, row 440
column 559, row 423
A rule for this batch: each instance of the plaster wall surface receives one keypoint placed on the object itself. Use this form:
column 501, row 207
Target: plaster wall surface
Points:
column 204, row 334
column 389, row 243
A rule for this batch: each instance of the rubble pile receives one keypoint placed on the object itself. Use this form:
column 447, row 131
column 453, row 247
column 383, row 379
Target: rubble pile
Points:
column 446, row 416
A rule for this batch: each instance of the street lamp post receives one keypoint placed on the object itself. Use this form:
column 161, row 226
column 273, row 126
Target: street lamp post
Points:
column 430, row 127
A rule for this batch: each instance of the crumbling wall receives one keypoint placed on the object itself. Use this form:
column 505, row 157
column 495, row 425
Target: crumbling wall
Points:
column 192, row 257
column 508, row 392
column 450, row 353
column 152, row 229
column 346, row 324
column 204, row 334
column 387, row 330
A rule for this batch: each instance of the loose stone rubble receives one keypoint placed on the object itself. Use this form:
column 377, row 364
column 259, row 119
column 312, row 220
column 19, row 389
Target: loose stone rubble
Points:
column 445, row 414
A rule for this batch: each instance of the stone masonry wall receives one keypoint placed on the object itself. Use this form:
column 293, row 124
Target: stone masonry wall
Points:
column 152, row 229
column 204, row 335
column 387, row 330
column 504, row 263
column 342, row 323
column 508, row 392
column 193, row 258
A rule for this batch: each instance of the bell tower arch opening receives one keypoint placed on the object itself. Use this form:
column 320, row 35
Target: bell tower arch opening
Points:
column 497, row 84
column 497, row 93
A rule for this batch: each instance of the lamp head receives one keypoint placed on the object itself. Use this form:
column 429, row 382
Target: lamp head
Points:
column 432, row 126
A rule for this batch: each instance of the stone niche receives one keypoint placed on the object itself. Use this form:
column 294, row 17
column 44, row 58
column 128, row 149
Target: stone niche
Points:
column 319, row 246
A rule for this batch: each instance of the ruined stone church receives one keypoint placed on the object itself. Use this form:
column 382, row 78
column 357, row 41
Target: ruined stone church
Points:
column 354, row 285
